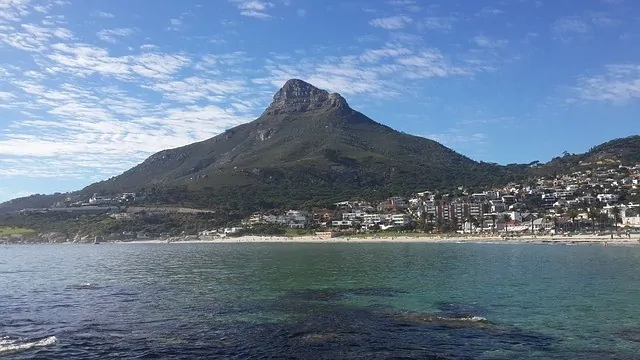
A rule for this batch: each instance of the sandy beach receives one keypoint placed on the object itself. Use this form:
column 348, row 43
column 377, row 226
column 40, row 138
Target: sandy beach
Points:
column 562, row 240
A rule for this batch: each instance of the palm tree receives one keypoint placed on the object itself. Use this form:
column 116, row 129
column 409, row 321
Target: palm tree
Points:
column 593, row 215
column 494, row 217
column 531, row 228
column 506, row 218
column 572, row 214
column 616, row 216
column 603, row 219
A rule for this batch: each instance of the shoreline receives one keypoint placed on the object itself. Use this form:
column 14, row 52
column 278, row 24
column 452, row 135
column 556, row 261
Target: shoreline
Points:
column 541, row 240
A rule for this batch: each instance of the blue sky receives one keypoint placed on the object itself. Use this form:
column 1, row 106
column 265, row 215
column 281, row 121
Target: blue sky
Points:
column 90, row 88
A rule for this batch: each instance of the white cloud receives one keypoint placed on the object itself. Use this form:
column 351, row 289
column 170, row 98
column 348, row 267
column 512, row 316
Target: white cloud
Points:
column 13, row 10
column 83, row 60
column 254, row 8
column 619, row 83
column 379, row 72
column 175, row 24
column 103, row 14
column 603, row 20
column 74, row 127
column 6, row 96
column 407, row 5
column 438, row 23
column 485, row 42
column 569, row 29
column 110, row 35
column 391, row 22
column 31, row 37
column 490, row 11
column 149, row 47
column 570, row 25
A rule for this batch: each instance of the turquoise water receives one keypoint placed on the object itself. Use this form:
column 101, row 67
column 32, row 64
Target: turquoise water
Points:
column 329, row 301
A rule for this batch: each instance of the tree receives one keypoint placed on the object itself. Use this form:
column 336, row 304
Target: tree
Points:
column 493, row 217
column 473, row 222
column 506, row 218
column 593, row 215
column 422, row 221
column 616, row 216
column 572, row 214
column 603, row 219
column 448, row 226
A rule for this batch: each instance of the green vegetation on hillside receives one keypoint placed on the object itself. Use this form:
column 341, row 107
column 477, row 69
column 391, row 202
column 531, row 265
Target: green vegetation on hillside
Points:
column 170, row 224
column 614, row 152
column 8, row 230
column 300, row 160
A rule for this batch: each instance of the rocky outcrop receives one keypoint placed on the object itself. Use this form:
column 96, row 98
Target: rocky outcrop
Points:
column 54, row 237
column 298, row 96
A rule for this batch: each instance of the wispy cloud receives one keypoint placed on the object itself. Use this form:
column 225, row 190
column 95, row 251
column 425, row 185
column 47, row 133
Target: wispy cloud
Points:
column 486, row 42
column 13, row 10
column 384, row 72
column 439, row 23
column 618, row 84
column 405, row 5
column 570, row 29
column 175, row 24
column 391, row 22
column 103, row 14
column 489, row 11
column 570, row 25
column 254, row 8
column 71, row 126
column 111, row 35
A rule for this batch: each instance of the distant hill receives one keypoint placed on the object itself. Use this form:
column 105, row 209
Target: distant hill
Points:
column 625, row 150
column 310, row 148
column 618, row 151
column 33, row 201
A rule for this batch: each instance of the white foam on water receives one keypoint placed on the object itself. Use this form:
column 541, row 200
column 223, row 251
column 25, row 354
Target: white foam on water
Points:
column 12, row 345
column 464, row 319
column 475, row 319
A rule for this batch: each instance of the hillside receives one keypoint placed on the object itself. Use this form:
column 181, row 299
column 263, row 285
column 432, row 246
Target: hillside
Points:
column 618, row 151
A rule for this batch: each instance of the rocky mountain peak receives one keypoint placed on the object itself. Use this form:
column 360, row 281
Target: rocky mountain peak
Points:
column 298, row 96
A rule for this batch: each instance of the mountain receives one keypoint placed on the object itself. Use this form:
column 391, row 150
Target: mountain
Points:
column 308, row 145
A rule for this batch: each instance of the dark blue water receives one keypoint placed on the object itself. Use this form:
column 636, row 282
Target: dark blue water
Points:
column 319, row 301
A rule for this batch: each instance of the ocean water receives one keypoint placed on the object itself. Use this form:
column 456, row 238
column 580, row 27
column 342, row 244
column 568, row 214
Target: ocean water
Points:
column 319, row 301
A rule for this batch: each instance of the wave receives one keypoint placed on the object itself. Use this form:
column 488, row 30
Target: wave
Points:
column 11, row 345
column 422, row 318
column 467, row 319
column 83, row 286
